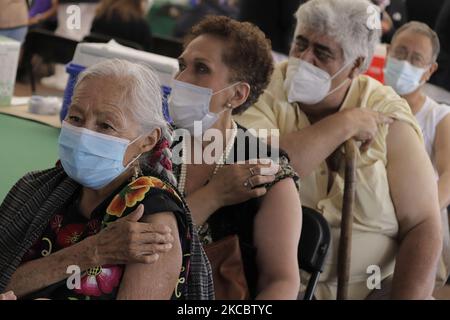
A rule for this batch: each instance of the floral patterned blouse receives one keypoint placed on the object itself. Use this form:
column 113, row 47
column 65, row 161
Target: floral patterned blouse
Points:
column 69, row 226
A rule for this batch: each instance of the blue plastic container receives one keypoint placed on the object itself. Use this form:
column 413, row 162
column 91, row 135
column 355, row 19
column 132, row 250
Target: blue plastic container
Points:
column 165, row 97
column 73, row 70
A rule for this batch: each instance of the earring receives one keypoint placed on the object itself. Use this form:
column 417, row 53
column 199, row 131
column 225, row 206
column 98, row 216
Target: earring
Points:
column 136, row 172
column 229, row 106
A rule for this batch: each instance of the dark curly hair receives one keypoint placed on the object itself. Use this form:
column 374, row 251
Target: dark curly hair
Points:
column 248, row 54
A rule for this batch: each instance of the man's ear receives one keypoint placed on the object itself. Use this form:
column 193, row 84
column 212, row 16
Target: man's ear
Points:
column 430, row 71
column 241, row 93
column 356, row 67
column 150, row 140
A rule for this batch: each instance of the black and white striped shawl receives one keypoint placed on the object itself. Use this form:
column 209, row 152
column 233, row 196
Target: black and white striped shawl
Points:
column 32, row 202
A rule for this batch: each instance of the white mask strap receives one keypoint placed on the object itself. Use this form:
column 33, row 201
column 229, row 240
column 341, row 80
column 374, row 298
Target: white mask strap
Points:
column 343, row 82
column 337, row 88
column 230, row 86
column 340, row 70
column 137, row 157
column 134, row 159
column 140, row 136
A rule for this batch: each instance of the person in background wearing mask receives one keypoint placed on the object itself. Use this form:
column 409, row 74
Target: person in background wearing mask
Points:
column 318, row 100
column 124, row 19
column 14, row 19
column 114, row 171
column 224, row 68
column 410, row 64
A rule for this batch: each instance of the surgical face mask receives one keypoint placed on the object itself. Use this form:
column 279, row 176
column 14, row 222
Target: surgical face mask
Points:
column 308, row 84
column 402, row 76
column 189, row 103
column 92, row 159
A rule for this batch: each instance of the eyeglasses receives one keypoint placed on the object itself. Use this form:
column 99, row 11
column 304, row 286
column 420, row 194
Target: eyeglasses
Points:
column 414, row 58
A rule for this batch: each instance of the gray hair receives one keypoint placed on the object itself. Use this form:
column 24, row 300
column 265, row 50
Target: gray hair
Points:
column 142, row 93
column 347, row 21
column 424, row 29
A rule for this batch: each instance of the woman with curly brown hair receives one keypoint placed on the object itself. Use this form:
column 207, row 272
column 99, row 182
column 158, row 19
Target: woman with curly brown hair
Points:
column 224, row 68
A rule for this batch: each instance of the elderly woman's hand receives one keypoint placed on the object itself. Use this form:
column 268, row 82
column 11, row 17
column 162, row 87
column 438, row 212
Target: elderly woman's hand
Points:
column 8, row 296
column 237, row 183
column 129, row 241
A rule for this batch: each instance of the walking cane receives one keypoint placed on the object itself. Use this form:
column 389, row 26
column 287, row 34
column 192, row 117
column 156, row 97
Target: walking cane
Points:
column 345, row 242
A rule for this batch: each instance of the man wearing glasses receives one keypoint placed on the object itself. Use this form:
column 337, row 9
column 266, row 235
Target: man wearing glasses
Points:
column 411, row 62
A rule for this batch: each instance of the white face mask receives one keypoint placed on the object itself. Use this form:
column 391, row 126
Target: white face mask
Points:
column 307, row 84
column 402, row 76
column 91, row 158
column 189, row 103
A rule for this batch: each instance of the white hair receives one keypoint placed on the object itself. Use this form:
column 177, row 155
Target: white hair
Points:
column 354, row 25
column 142, row 95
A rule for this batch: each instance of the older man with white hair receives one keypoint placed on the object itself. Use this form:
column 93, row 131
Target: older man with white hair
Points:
column 318, row 100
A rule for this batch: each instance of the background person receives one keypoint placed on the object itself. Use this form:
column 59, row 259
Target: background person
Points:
column 14, row 19
column 411, row 62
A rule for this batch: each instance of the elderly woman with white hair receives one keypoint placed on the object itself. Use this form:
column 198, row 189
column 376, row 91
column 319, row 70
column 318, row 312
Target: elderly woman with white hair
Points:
column 107, row 222
column 318, row 100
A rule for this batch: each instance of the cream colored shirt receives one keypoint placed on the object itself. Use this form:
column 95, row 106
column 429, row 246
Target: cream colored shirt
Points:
column 375, row 225
column 13, row 14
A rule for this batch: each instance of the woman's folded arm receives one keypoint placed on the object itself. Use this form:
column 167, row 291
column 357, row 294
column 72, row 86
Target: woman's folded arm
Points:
column 158, row 280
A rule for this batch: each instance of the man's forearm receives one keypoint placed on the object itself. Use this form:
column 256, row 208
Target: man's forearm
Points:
column 309, row 147
column 40, row 273
column 416, row 262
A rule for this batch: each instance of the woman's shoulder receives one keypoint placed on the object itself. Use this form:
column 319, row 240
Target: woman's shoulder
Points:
column 250, row 141
column 153, row 192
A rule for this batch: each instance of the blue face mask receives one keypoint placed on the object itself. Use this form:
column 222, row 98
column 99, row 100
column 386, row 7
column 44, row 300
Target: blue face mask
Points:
column 92, row 159
column 402, row 76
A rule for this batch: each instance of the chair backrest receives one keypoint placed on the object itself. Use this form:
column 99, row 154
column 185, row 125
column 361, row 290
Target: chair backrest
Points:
column 51, row 47
column 99, row 37
column 314, row 241
column 166, row 46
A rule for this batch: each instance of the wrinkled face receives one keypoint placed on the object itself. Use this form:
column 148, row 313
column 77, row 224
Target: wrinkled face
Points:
column 201, row 64
column 416, row 48
column 323, row 52
column 95, row 106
